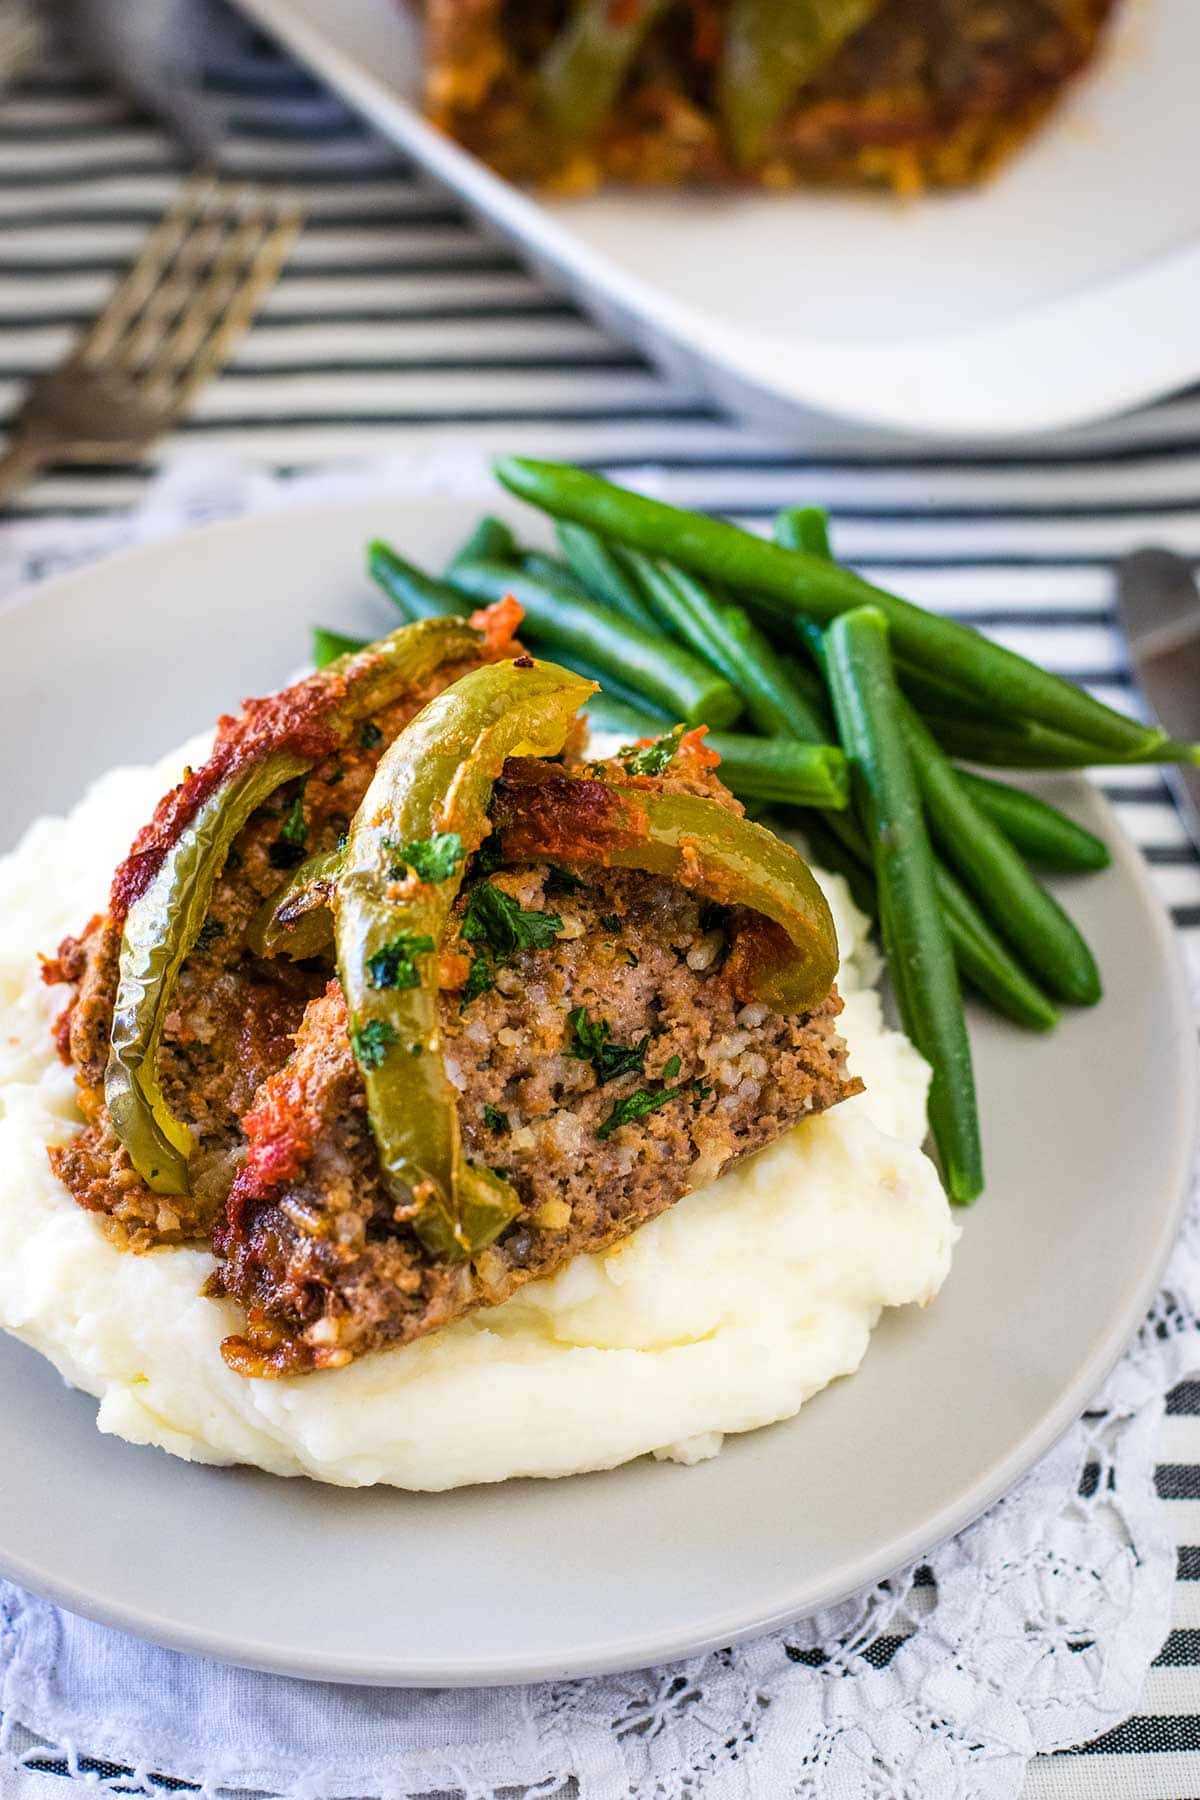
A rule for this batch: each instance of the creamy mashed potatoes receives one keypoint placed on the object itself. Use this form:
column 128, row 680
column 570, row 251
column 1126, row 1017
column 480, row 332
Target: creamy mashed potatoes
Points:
column 726, row 1313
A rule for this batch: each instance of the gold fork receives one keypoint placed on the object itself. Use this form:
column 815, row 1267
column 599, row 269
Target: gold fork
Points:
column 167, row 328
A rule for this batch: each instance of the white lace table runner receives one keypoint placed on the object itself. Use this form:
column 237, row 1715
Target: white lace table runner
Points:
column 1031, row 1631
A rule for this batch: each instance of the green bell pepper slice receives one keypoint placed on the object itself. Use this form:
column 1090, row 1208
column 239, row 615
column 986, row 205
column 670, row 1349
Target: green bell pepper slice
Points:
column 772, row 49
column 297, row 921
column 432, row 791
column 162, row 923
column 695, row 842
column 582, row 72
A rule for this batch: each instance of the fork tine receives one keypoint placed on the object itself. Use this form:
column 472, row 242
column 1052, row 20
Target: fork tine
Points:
column 221, row 309
column 129, row 298
column 241, row 230
column 139, row 351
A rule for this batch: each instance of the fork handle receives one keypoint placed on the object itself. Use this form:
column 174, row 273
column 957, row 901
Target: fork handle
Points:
column 18, row 466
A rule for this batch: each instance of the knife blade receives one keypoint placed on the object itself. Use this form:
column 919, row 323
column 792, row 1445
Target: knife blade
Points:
column 1159, row 603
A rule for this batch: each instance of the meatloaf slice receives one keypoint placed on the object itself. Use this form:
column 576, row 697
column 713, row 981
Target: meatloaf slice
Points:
column 605, row 1075
column 234, row 1014
column 925, row 93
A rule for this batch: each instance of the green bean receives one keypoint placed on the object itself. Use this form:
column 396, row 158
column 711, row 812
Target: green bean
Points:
column 670, row 612
column 981, row 957
column 984, row 963
column 327, row 646
column 999, row 745
column 867, row 706
column 791, row 581
column 602, row 570
column 804, row 528
column 729, row 639
column 804, row 702
column 987, row 963
column 548, row 568
column 582, row 72
column 938, row 698
column 754, row 768
column 607, row 712
column 772, row 49
column 782, row 769
column 418, row 596
column 1037, row 829
column 559, row 618
column 491, row 538
column 1029, row 918
column 954, row 714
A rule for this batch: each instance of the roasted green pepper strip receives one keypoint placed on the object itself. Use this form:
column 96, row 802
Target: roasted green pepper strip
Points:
column 297, row 922
column 162, row 924
column 160, row 929
column 436, row 779
column 772, row 49
column 582, row 72
column 693, row 841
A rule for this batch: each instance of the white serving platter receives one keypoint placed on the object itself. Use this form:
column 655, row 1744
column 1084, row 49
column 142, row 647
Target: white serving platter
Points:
column 1066, row 289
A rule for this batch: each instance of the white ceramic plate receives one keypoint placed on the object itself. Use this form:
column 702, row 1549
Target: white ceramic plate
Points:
column 1064, row 290
column 1088, row 1137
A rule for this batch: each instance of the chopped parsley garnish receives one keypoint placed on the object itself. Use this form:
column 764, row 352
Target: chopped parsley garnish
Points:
column 294, row 830
column 394, row 965
column 494, row 1119
column 610, row 921
column 631, row 959
column 430, row 859
column 208, row 934
column 591, row 1041
column 500, row 923
column 371, row 1042
column 369, row 735
column 481, row 979
column 671, row 1068
column 654, row 758
column 636, row 1106
column 703, row 1089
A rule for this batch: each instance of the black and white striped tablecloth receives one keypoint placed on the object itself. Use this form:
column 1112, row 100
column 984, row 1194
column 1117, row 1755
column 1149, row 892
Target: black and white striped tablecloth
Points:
column 398, row 323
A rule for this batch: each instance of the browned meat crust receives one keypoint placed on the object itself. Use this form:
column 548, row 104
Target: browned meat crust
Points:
column 234, row 1015
column 930, row 93
column 318, row 1259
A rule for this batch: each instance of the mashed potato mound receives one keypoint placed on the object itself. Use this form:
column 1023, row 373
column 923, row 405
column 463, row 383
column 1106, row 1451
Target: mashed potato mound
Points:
column 726, row 1313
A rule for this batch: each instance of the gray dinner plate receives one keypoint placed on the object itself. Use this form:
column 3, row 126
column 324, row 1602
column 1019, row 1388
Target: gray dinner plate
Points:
column 1088, row 1138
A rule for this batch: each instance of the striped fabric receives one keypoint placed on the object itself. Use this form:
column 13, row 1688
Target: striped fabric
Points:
column 398, row 322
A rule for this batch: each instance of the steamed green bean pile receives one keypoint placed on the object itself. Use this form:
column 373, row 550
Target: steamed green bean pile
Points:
column 845, row 708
